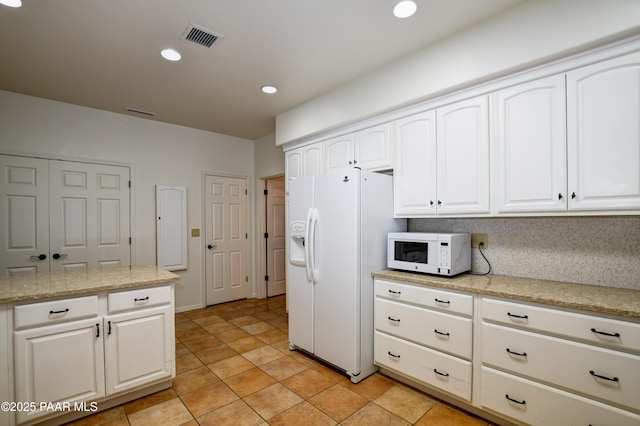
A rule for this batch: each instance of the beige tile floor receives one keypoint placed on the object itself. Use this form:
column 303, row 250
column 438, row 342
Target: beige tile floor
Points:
column 234, row 367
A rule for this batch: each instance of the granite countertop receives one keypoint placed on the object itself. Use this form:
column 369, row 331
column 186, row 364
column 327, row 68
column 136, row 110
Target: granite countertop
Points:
column 597, row 299
column 18, row 289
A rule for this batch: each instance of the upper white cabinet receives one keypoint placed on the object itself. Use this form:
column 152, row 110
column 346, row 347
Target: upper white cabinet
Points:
column 304, row 161
column 414, row 174
column 463, row 157
column 442, row 161
column 369, row 149
column 603, row 130
column 530, row 147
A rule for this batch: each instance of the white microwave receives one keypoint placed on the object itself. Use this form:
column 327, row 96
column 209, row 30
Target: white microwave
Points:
column 432, row 253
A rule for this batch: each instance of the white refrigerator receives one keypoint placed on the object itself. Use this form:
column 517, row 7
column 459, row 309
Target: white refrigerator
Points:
column 338, row 225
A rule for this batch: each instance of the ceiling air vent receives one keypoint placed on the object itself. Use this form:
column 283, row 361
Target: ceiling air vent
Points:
column 201, row 36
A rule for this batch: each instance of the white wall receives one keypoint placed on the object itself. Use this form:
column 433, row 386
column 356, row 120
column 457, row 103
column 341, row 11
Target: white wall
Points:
column 532, row 33
column 160, row 153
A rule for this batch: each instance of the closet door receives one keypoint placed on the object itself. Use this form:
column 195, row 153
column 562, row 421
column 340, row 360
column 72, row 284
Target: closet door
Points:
column 24, row 207
column 89, row 216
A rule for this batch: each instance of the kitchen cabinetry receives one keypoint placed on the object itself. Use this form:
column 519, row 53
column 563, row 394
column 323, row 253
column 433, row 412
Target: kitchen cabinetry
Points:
column 425, row 334
column 90, row 347
column 369, row 149
column 414, row 174
column 442, row 161
column 138, row 343
column 530, row 145
column 603, row 115
column 538, row 363
column 304, row 161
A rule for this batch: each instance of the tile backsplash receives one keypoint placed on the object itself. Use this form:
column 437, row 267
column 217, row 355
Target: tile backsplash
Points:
column 588, row 250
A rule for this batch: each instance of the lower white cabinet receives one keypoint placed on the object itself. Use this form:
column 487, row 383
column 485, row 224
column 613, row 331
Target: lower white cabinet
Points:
column 533, row 403
column 92, row 347
column 548, row 366
column 58, row 363
column 418, row 336
column 525, row 363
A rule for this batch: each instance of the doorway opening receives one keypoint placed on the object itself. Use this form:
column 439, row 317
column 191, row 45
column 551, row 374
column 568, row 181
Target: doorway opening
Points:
column 275, row 256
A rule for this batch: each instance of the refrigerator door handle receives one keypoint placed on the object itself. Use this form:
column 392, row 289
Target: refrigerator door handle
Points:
column 312, row 245
column 307, row 243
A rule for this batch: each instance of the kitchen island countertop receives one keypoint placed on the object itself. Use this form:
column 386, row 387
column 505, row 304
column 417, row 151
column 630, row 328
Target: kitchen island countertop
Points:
column 597, row 299
column 42, row 286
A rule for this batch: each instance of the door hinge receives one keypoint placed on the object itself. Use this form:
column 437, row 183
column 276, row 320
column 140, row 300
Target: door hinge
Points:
column 246, row 236
column 246, row 191
column 266, row 277
column 246, row 279
column 266, row 192
column 266, row 235
column 129, row 184
column 129, row 240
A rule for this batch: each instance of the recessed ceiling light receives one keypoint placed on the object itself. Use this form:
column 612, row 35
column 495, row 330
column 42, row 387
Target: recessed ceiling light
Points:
column 405, row 8
column 171, row 55
column 269, row 89
column 11, row 3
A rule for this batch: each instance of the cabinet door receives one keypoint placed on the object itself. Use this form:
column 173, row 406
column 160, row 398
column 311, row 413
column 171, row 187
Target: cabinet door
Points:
column 414, row 177
column 24, row 202
column 531, row 147
column 138, row 348
column 463, row 157
column 373, row 147
column 339, row 153
column 304, row 161
column 59, row 363
column 603, row 116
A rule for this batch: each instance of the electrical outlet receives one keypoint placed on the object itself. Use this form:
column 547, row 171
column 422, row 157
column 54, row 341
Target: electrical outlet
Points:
column 476, row 239
column 195, row 232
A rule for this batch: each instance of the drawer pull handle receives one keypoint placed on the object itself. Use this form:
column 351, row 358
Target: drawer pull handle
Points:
column 141, row 299
column 109, row 331
column 64, row 311
column 523, row 402
column 446, row 302
column 517, row 316
column 435, row 370
column 97, row 329
column 394, row 292
column 394, row 319
column 442, row 333
column 393, row 355
column 604, row 333
column 611, row 379
column 516, row 353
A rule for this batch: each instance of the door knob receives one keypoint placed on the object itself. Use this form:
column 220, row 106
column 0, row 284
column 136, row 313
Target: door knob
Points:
column 57, row 256
column 212, row 246
column 41, row 257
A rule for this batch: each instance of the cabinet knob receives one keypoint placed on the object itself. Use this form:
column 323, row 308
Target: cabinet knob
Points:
column 430, row 202
column 573, row 195
column 439, row 202
column 560, row 196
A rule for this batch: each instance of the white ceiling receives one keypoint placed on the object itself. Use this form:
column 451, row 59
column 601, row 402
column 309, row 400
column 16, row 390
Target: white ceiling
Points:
column 105, row 53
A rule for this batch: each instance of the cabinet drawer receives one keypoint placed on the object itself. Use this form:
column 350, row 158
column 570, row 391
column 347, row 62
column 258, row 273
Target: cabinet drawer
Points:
column 139, row 299
column 55, row 311
column 435, row 329
column 603, row 331
column 445, row 372
column 444, row 300
column 598, row 372
column 537, row 404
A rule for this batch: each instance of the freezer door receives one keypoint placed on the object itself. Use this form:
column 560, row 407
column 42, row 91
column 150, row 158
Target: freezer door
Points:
column 299, row 287
column 337, row 270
